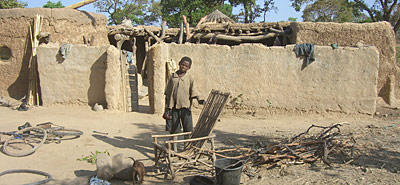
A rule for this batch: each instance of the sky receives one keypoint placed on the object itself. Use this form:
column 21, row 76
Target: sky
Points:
column 282, row 14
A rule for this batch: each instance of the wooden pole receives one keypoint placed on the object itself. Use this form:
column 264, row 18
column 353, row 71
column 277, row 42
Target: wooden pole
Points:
column 236, row 39
column 80, row 4
column 33, row 96
column 133, row 42
column 163, row 25
column 181, row 34
column 152, row 35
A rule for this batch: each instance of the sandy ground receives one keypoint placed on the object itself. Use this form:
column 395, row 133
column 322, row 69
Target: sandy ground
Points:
column 129, row 133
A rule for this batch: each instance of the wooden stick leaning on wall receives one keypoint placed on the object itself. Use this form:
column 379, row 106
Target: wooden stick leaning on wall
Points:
column 29, row 99
column 33, row 96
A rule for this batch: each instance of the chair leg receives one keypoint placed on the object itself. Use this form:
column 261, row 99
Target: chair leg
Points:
column 213, row 159
column 171, row 168
column 157, row 159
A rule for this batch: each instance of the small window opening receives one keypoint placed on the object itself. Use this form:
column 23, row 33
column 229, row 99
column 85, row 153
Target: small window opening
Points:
column 5, row 53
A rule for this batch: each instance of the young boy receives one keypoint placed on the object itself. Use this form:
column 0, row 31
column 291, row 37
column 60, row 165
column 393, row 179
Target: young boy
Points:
column 179, row 92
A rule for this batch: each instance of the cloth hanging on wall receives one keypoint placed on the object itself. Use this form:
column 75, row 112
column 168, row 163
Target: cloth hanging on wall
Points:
column 306, row 50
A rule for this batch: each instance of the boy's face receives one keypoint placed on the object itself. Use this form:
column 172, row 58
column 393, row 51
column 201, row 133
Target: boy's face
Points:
column 184, row 66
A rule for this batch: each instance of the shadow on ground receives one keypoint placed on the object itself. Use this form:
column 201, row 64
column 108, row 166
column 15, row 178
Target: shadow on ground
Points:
column 382, row 159
column 371, row 158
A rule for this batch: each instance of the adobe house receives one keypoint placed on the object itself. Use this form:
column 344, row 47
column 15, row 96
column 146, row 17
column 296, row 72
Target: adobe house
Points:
column 253, row 61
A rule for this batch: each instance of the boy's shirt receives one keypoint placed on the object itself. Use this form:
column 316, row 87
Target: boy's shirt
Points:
column 179, row 90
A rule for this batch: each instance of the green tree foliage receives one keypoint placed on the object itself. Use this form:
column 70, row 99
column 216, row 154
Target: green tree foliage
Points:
column 387, row 10
column 331, row 11
column 50, row 4
column 7, row 4
column 172, row 10
column 398, row 53
column 118, row 10
column 251, row 10
column 194, row 10
column 154, row 13
column 381, row 10
column 292, row 19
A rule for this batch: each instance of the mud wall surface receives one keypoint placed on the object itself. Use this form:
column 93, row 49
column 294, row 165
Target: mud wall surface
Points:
column 339, row 80
column 380, row 35
column 77, row 79
column 65, row 26
column 113, row 80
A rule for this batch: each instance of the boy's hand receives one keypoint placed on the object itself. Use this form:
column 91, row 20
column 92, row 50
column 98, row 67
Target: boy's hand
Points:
column 167, row 114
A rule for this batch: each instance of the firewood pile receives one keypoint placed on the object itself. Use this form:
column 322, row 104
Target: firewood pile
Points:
column 308, row 148
column 325, row 143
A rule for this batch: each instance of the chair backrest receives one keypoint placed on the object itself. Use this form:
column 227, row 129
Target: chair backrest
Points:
column 208, row 116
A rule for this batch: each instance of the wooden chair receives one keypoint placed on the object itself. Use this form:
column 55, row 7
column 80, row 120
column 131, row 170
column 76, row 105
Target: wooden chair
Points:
column 165, row 152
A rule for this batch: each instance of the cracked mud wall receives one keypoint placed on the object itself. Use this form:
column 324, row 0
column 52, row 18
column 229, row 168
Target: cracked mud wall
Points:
column 65, row 26
column 341, row 80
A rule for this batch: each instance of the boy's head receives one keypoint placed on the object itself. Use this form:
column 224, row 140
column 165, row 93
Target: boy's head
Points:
column 185, row 64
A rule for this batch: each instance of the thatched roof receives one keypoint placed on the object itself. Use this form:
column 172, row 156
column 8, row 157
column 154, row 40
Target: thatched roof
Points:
column 218, row 17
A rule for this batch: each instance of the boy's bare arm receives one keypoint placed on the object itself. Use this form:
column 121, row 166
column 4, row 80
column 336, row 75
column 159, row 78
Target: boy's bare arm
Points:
column 201, row 102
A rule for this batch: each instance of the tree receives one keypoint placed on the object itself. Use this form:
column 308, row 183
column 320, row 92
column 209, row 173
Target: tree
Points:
column 381, row 10
column 331, row 11
column 251, row 10
column 50, row 4
column 154, row 13
column 194, row 10
column 396, row 16
column 8, row 4
column 119, row 10
column 387, row 10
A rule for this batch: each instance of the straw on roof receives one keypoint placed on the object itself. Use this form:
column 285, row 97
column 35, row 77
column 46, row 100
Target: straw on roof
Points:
column 218, row 17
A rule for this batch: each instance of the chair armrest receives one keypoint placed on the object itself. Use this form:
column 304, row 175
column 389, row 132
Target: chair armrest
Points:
column 171, row 135
column 191, row 140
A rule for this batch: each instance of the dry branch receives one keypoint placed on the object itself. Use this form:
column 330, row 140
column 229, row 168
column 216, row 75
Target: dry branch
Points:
column 303, row 148
column 152, row 35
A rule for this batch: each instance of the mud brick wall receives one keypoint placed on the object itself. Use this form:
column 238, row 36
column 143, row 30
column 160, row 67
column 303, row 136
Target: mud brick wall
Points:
column 77, row 79
column 65, row 26
column 339, row 80
column 380, row 35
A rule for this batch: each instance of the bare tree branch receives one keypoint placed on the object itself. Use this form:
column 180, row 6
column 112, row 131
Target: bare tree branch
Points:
column 366, row 8
column 397, row 26
column 392, row 6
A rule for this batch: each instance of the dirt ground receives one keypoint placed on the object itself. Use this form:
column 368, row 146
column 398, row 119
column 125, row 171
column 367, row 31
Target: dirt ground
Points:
column 129, row 133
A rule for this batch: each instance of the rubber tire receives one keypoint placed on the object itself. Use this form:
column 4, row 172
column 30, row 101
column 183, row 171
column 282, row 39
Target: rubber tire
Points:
column 49, row 177
column 29, row 151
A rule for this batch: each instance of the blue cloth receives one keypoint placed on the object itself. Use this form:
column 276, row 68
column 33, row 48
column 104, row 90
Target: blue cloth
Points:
column 96, row 181
column 65, row 49
column 306, row 50
column 129, row 57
